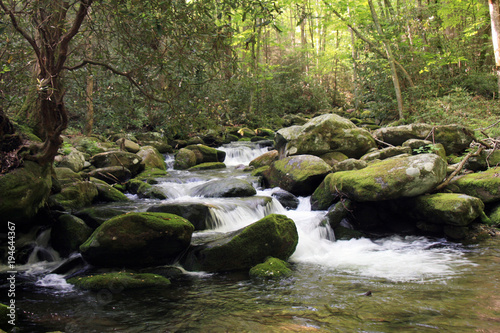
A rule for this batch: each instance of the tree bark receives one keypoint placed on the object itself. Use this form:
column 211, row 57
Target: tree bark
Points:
column 495, row 36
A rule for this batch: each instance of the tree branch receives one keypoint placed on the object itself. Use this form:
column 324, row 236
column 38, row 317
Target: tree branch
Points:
column 13, row 19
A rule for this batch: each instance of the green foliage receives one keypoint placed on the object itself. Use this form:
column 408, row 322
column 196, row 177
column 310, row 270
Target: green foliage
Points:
column 66, row 148
column 427, row 149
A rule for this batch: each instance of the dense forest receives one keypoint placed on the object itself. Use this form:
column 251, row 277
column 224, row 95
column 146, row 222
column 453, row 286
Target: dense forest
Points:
column 193, row 66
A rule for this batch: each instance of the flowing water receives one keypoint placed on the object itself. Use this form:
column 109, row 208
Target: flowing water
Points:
column 392, row 284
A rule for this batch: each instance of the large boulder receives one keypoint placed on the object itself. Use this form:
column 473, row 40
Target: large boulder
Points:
column 124, row 159
column 76, row 195
column 74, row 160
column 483, row 185
column 447, row 208
column 323, row 134
column 184, row 159
column 111, row 174
column 454, row 138
column 138, row 240
column 225, row 188
column 151, row 158
column 68, row 233
column 23, row 191
column 196, row 213
column 299, row 175
column 119, row 281
column 107, row 193
column 393, row 178
column 206, row 154
column 273, row 236
column 265, row 159
column 272, row 268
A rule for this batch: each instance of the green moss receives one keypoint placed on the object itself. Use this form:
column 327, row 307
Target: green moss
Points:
column 483, row 185
column 208, row 166
column 260, row 171
column 107, row 192
column 120, row 281
column 271, row 268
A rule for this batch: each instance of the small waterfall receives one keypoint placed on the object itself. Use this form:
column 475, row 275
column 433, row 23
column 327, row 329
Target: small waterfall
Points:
column 238, row 153
column 42, row 251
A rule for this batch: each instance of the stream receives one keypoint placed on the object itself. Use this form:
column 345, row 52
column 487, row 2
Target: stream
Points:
column 390, row 284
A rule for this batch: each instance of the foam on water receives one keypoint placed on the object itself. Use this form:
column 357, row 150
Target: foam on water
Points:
column 241, row 153
column 55, row 282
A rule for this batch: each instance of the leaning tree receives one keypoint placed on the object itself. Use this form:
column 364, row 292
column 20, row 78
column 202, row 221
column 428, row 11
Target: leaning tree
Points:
column 48, row 26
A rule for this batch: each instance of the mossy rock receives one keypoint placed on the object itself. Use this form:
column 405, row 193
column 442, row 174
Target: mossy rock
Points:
column 272, row 268
column 273, row 236
column 96, row 215
column 393, row 178
column 265, row 159
column 149, row 175
column 107, row 193
column 68, row 233
column 206, row 154
column 23, row 191
column 265, row 132
column 260, row 171
column 111, row 174
column 299, row 174
column 246, row 132
column 348, row 165
column 495, row 215
column 382, row 154
column 424, row 146
column 483, row 185
column 146, row 190
column 208, row 166
column 334, row 157
column 138, row 240
column 447, row 208
column 132, row 162
column 66, row 176
column 76, row 195
column 151, row 158
column 225, row 188
column 196, row 213
column 184, row 159
column 120, row 281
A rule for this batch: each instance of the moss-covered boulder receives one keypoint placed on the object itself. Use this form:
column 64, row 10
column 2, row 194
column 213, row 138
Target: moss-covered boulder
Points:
column 454, row 138
column 382, row 154
column 23, row 191
column 206, row 154
column 184, row 159
column 393, row 178
column 483, row 185
column 323, row 134
column 76, row 195
column 265, row 159
column 112, row 174
column 151, row 158
column 128, row 145
column 132, row 162
column 273, row 236
column 66, row 176
column 495, row 215
column 68, row 233
column 349, row 164
column 138, row 240
column 425, row 146
column 196, row 213
column 447, row 208
column 150, row 175
column 487, row 158
column 73, row 160
column 146, row 190
column 334, row 157
column 299, row 174
column 107, row 193
column 120, row 281
column 208, row 166
column 272, row 268
column 96, row 215
column 225, row 188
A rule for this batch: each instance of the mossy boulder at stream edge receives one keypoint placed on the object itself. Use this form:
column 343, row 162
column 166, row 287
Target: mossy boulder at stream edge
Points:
column 273, row 236
column 24, row 191
column 119, row 281
column 272, row 268
column 138, row 240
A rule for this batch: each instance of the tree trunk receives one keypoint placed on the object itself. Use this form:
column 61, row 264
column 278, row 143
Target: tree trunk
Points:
column 495, row 36
column 390, row 57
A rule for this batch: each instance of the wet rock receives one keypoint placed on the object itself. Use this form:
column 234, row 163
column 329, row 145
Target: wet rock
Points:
column 225, row 188
column 206, row 154
column 273, row 236
column 23, row 191
column 146, row 190
column 76, row 195
column 299, row 175
column 98, row 214
column 272, row 268
column 286, row 199
column 323, row 134
column 68, row 233
column 208, row 166
column 349, row 164
column 119, row 281
column 196, row 213
column 392, row 178
column 483, row 185
column 487, row 158
column 333, row 158
column 138, row 240
column 75, row 160
column 123, row 159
